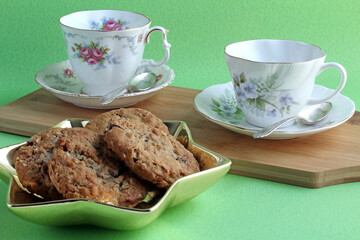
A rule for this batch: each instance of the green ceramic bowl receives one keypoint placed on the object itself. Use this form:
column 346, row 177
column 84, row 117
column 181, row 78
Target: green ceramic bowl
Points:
column 83, row 211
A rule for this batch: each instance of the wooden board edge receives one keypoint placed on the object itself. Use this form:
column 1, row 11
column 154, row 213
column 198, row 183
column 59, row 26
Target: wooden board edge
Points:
column 340, row 176
column 17, row 127
column 295, row 177
column 273, row 173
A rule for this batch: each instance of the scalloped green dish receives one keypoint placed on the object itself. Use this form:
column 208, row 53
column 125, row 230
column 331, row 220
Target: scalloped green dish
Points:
column 83, row 211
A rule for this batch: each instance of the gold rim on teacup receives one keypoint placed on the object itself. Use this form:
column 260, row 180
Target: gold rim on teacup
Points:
column 94, row 30
column 277, row 62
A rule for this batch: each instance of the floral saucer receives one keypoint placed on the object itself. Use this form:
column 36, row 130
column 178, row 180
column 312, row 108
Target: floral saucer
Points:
column 217, row 103
column 60, row 80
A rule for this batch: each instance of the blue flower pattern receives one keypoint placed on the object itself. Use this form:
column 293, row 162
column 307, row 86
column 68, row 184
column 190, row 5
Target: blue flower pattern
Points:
column 258, row 95
column 227, row 109
column 285, row 99
column 249, row 90
column 271, row 113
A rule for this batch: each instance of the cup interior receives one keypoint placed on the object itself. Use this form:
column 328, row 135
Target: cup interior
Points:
column 274, row 51
column 104, row 20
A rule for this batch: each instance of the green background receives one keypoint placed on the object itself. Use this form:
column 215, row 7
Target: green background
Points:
column 236, row 207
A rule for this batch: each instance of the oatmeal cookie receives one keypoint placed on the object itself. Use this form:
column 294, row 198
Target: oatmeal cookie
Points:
column 152, row 154
column 124, row 116
column 31, row 161
column 80, row 168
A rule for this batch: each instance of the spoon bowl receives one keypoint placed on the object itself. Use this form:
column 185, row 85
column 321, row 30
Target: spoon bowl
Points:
column 141, row 82
column 308, row 116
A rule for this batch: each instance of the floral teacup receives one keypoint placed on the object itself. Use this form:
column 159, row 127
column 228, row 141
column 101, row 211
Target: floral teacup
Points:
column 105, row 47
column 273, row 79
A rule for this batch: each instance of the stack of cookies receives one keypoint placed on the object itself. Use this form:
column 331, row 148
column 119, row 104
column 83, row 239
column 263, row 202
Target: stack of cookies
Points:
column 119, row 158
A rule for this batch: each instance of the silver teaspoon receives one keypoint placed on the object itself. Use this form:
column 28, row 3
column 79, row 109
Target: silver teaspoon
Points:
column 309, row 116
column 141, row 82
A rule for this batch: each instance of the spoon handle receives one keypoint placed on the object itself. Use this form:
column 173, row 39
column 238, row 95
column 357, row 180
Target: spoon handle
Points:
column 110, row 96
column 268, row 130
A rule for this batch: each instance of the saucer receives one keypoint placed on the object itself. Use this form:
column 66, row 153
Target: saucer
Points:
column 217, row 103
column 60, row 80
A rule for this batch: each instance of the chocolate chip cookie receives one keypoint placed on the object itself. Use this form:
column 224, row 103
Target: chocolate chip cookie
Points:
column 124, row 116
column 31, row 161
column 151, row 154
column 80, row 168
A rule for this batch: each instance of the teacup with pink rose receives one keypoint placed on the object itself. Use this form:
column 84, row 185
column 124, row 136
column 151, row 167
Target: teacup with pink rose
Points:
column 105, row 47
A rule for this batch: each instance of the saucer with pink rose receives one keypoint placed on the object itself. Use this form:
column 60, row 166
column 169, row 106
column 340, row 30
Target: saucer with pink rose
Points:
column 61, row 80
column 105, row 51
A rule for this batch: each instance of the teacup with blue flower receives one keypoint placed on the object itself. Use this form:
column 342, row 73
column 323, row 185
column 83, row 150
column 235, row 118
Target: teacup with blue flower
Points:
column 273, row 79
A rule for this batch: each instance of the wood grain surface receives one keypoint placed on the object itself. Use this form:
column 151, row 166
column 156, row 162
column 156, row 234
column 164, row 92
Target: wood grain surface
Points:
column 327, row 158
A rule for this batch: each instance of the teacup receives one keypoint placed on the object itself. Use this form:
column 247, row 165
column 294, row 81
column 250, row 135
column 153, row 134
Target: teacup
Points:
column 105, row 47
column 273, row 79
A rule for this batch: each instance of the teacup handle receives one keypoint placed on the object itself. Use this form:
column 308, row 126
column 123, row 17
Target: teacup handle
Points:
column 165, row 45
column 342, row 70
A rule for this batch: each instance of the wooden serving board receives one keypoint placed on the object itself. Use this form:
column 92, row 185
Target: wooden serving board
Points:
column 319, row 160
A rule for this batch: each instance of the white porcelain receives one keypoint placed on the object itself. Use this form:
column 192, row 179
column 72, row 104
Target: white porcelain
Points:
column 60, row 80
column 217, row 103
column 273, row 79
column 105, row 47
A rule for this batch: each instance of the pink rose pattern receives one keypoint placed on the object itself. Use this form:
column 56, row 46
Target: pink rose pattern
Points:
column 92, row 61
column 85, row 52
column 69, row 73
column 140, row 37
column 92, row 54
column 97, row 53
column 158, row 77
column 112, row 25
